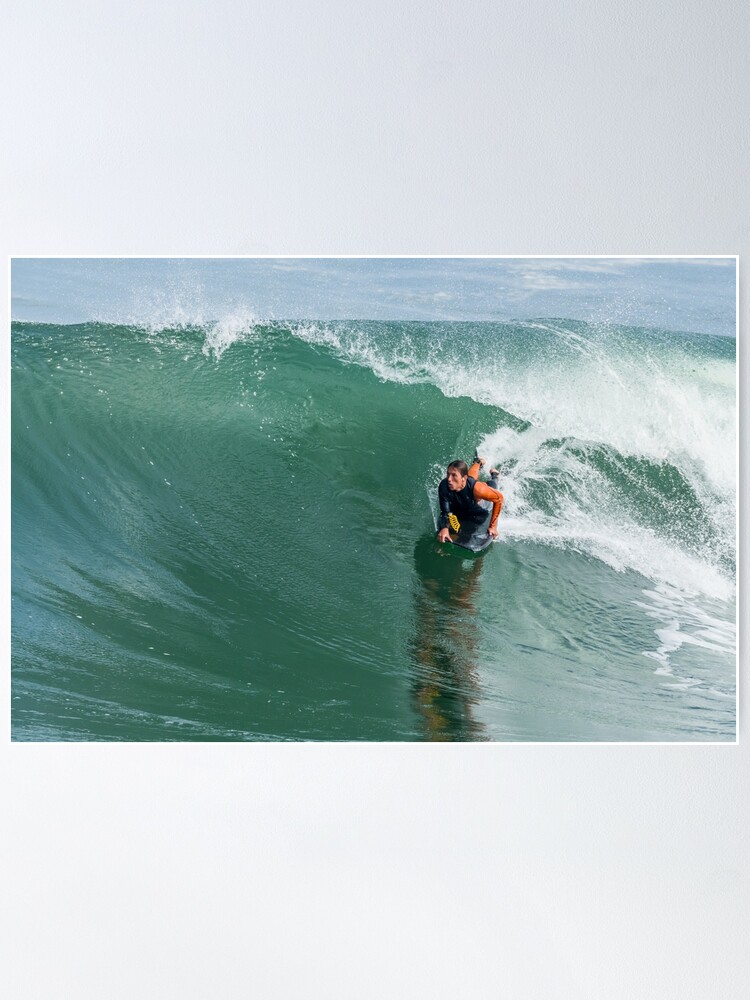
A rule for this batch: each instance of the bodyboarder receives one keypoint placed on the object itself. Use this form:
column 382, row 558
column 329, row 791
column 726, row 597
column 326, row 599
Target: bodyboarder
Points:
column 459, row 494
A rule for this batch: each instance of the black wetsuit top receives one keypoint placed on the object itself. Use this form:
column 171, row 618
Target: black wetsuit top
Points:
column 461, row 503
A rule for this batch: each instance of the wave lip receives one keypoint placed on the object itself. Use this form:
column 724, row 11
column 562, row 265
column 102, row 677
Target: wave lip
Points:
column 223, row 333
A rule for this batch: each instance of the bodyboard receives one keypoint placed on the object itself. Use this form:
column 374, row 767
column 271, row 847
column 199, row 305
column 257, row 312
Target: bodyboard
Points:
column 472, row 538
column 478, row 542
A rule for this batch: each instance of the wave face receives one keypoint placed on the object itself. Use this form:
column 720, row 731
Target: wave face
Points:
column 225, row 531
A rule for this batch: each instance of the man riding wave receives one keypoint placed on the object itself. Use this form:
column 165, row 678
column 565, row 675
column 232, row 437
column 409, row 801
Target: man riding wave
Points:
column 460, row 492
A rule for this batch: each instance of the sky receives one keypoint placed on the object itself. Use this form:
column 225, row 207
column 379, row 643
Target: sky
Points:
column 689, row 294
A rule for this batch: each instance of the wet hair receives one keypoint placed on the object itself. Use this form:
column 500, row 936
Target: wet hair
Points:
column 460, row 466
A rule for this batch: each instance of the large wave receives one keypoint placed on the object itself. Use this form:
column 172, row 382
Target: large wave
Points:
column 210, row 476
column 617, row 441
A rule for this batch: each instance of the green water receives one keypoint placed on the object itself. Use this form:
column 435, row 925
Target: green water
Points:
column 227, row 534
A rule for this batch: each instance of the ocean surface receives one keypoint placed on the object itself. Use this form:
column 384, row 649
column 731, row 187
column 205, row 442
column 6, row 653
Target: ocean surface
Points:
column 225, row 531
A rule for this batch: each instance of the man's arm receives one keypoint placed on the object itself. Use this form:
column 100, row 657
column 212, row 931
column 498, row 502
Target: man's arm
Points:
column 484, row 492
column 445, row 509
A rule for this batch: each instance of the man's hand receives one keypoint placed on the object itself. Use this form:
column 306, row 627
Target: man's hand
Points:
column 444, row 535
column 492, row 531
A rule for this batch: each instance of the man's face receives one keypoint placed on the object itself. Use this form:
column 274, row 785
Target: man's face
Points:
column 455, row 480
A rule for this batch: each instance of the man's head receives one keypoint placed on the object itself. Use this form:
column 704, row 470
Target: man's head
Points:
column 458, row 472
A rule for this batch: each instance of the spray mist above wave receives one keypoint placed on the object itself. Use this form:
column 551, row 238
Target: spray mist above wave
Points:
column 216, row 336
column 179, row 305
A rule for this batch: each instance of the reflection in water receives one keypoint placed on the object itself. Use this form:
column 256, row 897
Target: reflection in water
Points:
column 443, row 647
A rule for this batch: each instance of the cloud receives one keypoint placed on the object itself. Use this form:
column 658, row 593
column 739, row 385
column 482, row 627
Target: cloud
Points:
column 537, row 281
column 575, row 273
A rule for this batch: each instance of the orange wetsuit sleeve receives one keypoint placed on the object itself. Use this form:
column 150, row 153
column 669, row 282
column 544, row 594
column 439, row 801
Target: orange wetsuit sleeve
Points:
column 484, row 492
column 474, row 470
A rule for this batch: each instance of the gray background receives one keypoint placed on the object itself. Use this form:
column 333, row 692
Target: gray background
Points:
column 373, row 871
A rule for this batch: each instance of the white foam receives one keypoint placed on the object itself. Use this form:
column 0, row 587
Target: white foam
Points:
column 682, row 622
column 400, row 363
column 589, row 517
